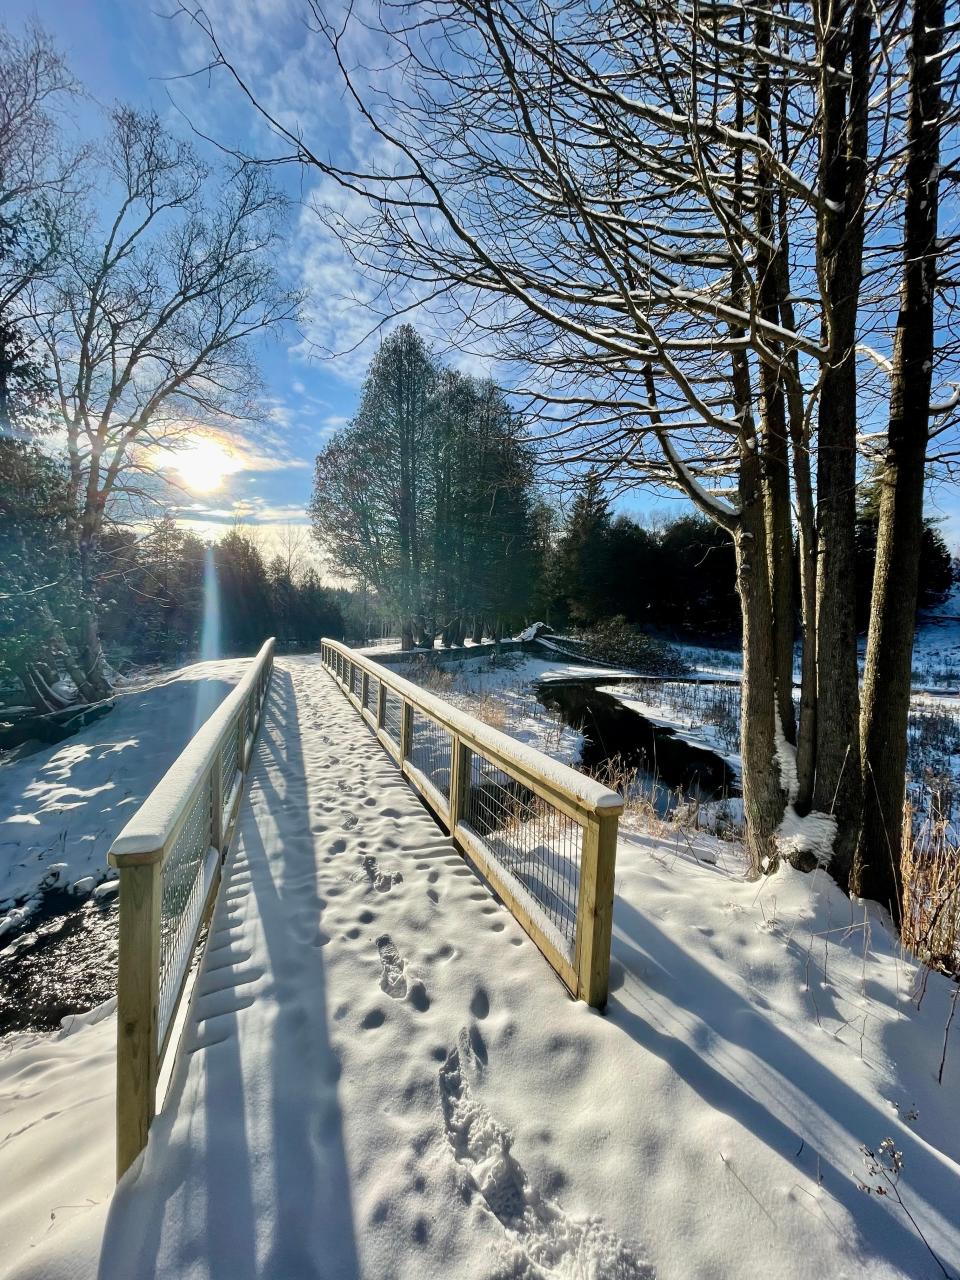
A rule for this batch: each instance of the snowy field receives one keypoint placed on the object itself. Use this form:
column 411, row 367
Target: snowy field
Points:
column 61, row 806
column 381, row 1077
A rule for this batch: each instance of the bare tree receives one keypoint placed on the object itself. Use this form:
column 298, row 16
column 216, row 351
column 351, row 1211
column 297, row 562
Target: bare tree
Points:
column 37, row 176
column 668, row 211
column 146, row 322
column 887, row 675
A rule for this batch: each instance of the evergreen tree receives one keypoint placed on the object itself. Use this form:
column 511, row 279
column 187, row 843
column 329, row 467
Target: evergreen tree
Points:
column 246, row 615
column 935, row 571
column 585, row 571
column 428, row 496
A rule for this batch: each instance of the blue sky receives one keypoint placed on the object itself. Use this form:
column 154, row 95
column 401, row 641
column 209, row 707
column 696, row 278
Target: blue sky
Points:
column 128, row 52
column 132, row 52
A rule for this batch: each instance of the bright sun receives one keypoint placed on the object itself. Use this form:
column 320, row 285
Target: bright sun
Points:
column 202, row 465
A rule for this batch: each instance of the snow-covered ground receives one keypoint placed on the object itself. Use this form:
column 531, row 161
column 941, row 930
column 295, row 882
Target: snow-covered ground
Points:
column 381, row 1077
column 936, row 651
column 709, row 718
column 936, row 648
column 61, row 807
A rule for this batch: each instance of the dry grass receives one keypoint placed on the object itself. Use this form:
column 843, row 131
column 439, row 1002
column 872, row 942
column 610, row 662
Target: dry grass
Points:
column 931, row 891
column 429, row 676
column 490, row 710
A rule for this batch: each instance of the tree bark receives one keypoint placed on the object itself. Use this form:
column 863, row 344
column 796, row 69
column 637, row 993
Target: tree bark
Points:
column 763, row 799
column 845, row 63
column 886, row 689
column 771, row 281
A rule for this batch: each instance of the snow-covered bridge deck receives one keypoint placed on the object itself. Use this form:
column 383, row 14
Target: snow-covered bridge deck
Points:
column 357, row 979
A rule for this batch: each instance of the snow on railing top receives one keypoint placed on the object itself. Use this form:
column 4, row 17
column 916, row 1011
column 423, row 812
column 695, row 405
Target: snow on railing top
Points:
column 591, row 795
column 151, row 827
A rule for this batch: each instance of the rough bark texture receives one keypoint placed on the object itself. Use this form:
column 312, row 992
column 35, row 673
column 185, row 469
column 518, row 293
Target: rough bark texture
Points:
column 886, row 690
column 763, row 800
column 845, row 66
column 771, row 280
column 779, row 548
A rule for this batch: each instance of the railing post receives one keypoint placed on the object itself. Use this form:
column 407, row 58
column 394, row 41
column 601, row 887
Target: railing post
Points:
column 459, row 781
column 598, row 857
column 406, row 728
column 381, row 704
column 138, row 998
column 364, row 689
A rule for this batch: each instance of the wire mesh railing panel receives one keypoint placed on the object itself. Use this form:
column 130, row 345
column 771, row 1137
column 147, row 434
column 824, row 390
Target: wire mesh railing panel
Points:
column 431, row 751
column 229, row 762
column 529, row 839
column 356, row 681
column 373, row 693
column 183, row 892
column 392, row 716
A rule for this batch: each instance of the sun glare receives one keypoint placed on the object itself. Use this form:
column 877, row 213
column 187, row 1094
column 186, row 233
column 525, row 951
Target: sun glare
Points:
column 202, row 466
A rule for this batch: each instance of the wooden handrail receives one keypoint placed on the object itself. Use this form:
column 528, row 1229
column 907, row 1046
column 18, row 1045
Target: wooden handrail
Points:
column 193, row 788
column 593, row 807
column 548, row 777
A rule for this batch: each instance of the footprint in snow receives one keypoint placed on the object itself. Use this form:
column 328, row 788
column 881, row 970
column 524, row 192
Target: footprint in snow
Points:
column 392, row 979
column 382, row 881
column 546, row 1239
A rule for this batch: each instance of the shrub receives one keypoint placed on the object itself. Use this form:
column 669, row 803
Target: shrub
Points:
column 615, row 640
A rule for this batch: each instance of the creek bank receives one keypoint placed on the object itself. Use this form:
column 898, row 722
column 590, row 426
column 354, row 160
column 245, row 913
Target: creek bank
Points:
column 616, row 737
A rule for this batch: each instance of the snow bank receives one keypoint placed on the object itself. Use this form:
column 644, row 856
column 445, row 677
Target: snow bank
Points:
column 511, row 685
column 786, row 756
column 57, row 1142
column 812, row 834
column 154, row 821
column 61, row 807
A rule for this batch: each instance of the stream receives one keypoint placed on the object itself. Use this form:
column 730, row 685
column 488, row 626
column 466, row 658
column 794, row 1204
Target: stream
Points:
column 616, row 736
column 63, row 962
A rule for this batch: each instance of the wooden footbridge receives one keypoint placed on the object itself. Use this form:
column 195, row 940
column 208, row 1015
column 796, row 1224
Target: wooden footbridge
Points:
column 540, row 838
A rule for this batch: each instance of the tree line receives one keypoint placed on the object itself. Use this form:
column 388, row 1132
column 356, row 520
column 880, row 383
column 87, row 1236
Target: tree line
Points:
column 708, row 237
column 679, row 576
column 152, row 583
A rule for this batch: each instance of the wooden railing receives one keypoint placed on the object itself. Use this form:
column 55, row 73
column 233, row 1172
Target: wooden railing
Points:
column 543, row 835
column 169, row 856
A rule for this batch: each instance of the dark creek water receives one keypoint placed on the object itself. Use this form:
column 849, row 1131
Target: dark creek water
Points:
column 615, row 735
column 63, row 962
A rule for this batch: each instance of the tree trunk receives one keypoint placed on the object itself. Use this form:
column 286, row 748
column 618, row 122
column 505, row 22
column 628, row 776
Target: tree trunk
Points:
column 771, row 282
column 763, row 800
column 91, row 679
column 845, row 62
column 886, row 689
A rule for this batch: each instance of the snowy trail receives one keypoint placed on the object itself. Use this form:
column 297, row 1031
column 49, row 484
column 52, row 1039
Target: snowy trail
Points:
column 381, row 1078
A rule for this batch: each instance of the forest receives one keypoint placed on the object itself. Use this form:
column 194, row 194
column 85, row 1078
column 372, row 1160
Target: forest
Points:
column 432, row 497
